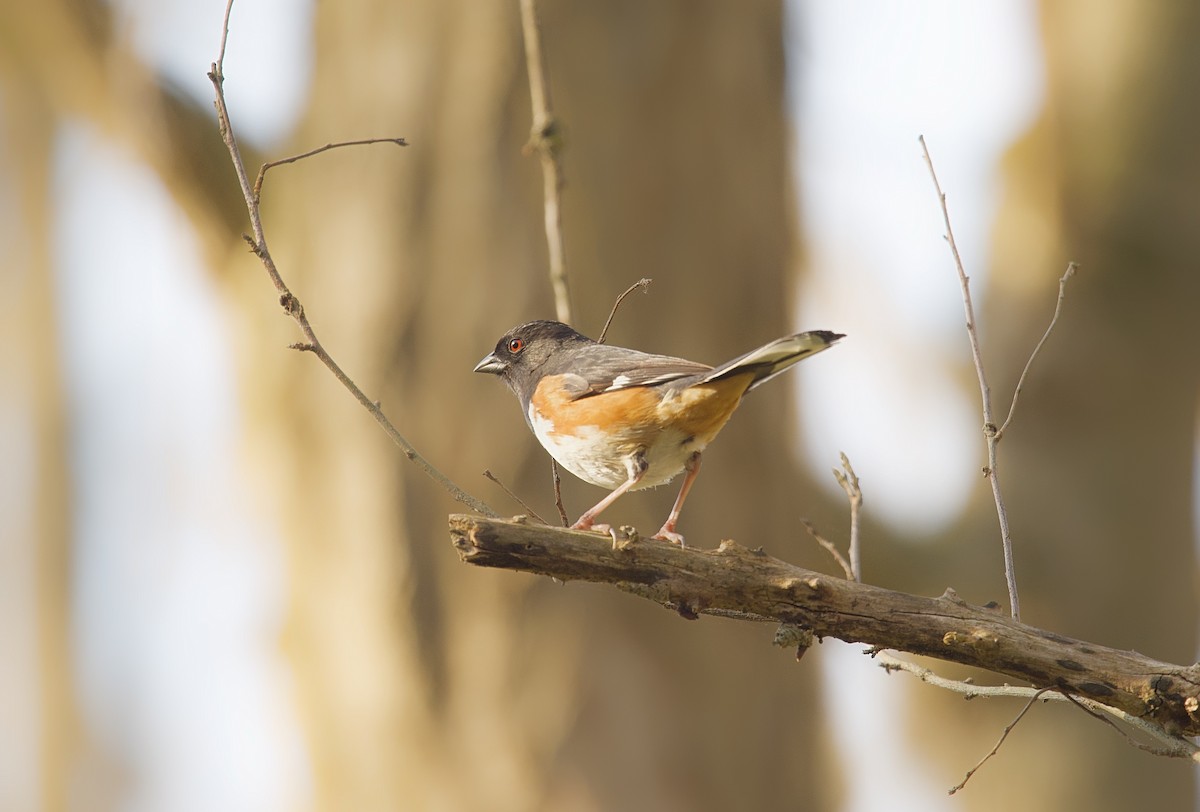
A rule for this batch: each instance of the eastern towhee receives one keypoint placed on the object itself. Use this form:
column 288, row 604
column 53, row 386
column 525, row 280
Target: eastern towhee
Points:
column 627, row 420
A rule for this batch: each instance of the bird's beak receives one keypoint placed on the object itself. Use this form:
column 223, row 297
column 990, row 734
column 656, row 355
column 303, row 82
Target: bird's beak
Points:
column 492, row 365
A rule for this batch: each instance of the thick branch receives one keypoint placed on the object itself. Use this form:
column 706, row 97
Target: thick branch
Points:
column 735, row 581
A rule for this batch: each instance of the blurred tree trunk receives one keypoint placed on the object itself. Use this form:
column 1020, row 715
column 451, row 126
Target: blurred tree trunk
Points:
column 38, row 725
column 1097, row 468
column 62, row 60
column 426, row 684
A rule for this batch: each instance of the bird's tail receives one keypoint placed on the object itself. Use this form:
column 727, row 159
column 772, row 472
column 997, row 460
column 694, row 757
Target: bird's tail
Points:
column 770, row 359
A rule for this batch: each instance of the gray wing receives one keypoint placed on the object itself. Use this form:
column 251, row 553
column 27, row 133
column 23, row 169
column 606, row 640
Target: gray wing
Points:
column 608, row 369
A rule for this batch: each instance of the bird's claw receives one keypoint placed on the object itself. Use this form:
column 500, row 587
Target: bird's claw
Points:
column 668, row 534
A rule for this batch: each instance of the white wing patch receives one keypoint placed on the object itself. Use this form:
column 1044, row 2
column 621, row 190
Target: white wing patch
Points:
column 626, row 381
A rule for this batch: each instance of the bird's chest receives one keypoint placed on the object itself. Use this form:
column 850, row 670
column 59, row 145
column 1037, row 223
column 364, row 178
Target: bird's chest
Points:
column 603, row 457
column 595, row 438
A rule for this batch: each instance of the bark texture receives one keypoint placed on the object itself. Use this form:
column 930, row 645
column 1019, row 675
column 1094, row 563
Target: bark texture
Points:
column 736, row 581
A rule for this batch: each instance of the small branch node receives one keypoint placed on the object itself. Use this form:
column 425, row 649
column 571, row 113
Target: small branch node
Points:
column 291, row 305
column 625, row 538
column 791, row 634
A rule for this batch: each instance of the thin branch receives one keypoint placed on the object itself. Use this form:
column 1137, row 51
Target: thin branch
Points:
column 1008, row 729
column 831, row 548
column 513, row 496
column 989, row 426
column 1175, row 747
column 291, row 305
column 546, row 139
column 558, row 500
column 262, row 171
column 642, row 283
column 219, row 67
column 1062, row 295
column 1172, row 746
column 849, row 482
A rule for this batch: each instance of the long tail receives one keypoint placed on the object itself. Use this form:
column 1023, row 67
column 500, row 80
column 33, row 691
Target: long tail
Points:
column 770, row 359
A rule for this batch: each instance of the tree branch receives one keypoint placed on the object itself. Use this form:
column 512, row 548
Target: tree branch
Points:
column 734, row 581
column 1062, row 295
column 291, row 305
column 990, row 433
column 546, row 139
column 1171, row 745
column 642, row 284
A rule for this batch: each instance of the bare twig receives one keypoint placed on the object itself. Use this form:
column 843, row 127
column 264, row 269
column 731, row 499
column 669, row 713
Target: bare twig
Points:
column 558, row 500
column 1172, row 745
column 1175, row 747
column 849, row 482
column 1008, row 729
column 220, row 65
column 831, row 547
column 989, row 426
column 642, row 283
column 291, row 305
column 546, row 139
column 262, row 171
column 513, row 496
column 1062, row 295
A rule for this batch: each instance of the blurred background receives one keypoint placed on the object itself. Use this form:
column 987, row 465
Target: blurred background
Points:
column 221, row 587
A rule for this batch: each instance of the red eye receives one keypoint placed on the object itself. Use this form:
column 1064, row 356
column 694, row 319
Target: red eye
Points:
column 515, row 345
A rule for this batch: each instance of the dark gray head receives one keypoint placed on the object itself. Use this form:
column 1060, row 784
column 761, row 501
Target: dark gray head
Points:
column 521, row 354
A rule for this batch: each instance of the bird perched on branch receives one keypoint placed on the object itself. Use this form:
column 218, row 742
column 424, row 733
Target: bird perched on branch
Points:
column 627, row 420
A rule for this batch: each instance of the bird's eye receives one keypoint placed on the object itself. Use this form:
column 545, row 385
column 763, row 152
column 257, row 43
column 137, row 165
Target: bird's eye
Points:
column 515, row 345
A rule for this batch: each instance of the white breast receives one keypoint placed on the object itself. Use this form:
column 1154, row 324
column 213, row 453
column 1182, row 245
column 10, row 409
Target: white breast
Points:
column 602, row 460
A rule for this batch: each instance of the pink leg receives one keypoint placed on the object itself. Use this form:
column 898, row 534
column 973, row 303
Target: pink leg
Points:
column 636, row 466
column 667, row 533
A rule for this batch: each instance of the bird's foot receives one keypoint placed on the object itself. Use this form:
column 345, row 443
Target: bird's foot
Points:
column 667, row 533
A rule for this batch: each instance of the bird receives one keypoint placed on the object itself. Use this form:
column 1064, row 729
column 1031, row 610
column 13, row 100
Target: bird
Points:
column 627, row 420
